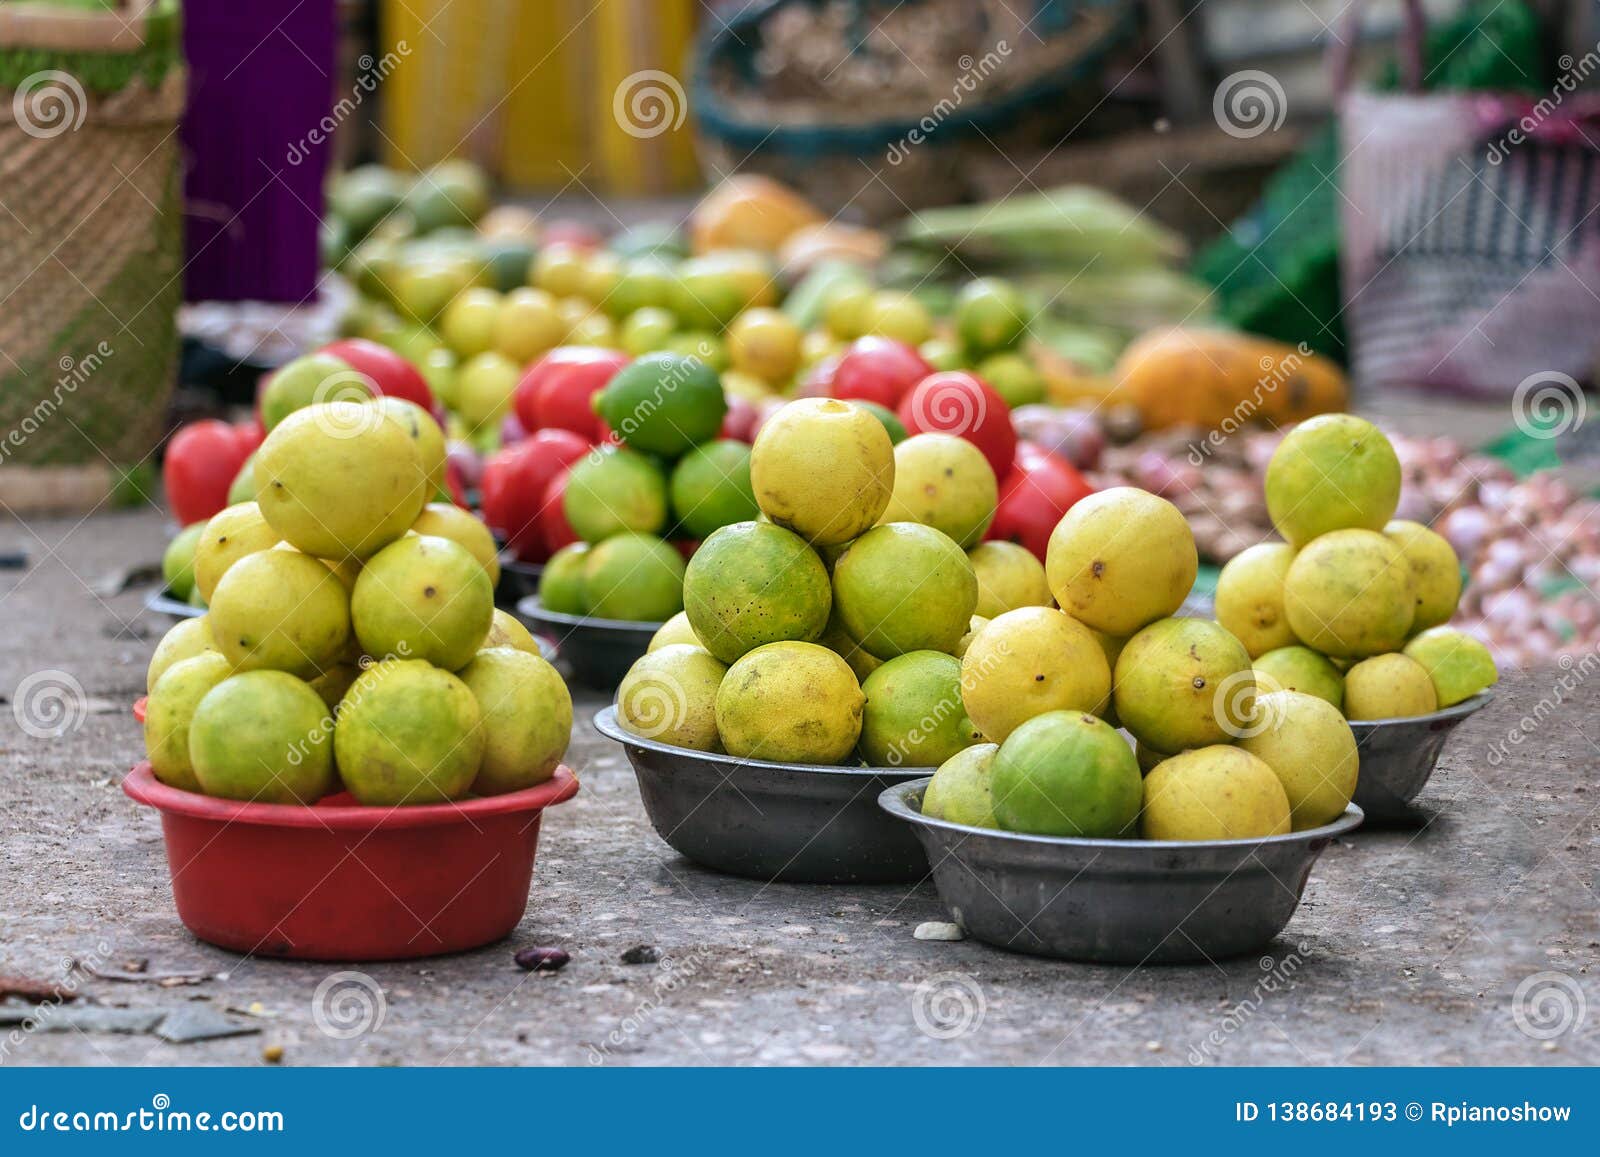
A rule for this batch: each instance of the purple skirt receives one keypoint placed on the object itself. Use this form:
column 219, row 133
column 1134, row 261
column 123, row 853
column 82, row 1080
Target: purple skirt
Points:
column 261, row 83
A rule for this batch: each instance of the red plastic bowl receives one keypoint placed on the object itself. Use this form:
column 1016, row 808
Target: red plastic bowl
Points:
column 341, row 881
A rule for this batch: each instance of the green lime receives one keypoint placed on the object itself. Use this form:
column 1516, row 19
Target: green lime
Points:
column 308, row 379
column 711, row 488
column 177, row 564
column 507, row 260
column 847, row 311
column 708, row 293
column 891, row 422
column 1013, row 378
column 612, row 491
column 874, row 582
column 990, row 315
column 753, row 583
column 663, row 403
column 637, row 577
column 914, row 716
column 943, row 354
column 959, row 791
column 1066, row 773
column 561, row 584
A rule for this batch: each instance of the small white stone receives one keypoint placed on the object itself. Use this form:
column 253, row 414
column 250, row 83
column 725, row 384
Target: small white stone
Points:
column 939, row 930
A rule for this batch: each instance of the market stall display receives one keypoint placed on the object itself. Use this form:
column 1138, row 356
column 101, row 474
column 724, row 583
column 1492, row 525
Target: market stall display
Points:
column 833, row 507
column 350, row 664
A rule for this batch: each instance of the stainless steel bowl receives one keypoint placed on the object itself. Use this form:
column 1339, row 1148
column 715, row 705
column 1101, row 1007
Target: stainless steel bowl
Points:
column 794, row 822
column 1398, row 756
column 599, row 651
column 1115, row 901
column 164, row 602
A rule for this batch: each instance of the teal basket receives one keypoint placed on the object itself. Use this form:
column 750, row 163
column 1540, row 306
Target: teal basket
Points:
column 822, row 157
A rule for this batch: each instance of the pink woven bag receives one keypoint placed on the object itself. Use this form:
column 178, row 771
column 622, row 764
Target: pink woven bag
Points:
column 1471, row 226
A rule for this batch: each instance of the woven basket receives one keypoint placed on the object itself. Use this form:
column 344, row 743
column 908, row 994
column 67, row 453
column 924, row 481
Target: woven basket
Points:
column 91, row 235
column 835, row 134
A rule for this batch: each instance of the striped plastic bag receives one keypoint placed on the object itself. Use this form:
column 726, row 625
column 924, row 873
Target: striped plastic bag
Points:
column 1471, row 225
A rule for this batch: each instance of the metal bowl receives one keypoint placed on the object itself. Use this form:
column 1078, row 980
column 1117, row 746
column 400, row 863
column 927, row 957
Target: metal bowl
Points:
column 600, row 651
column 1398, row 756
column 1115, row 901
column 164, row 602
column 793, row 822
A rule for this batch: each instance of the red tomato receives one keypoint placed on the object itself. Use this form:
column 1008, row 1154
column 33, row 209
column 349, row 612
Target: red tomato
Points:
column 555, row 531
column 878, row 369
column 956, row 402
column 250, row 435
column 569, row 446
column 740, row 421
column 394, row 376
column 1034, row 496
column 201, row 460
column 558, row 389
column 515, row 481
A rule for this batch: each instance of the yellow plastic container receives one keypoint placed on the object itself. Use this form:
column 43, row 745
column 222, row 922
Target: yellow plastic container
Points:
column 548, row 94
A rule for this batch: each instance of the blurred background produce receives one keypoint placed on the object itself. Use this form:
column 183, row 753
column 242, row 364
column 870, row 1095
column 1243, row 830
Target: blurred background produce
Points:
column 1055, row 230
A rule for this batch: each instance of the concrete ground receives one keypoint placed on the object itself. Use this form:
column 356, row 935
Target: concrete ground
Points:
column 1472, row 941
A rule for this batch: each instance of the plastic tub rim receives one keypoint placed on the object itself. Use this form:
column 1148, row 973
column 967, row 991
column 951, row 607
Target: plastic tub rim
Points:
column 141, row 786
